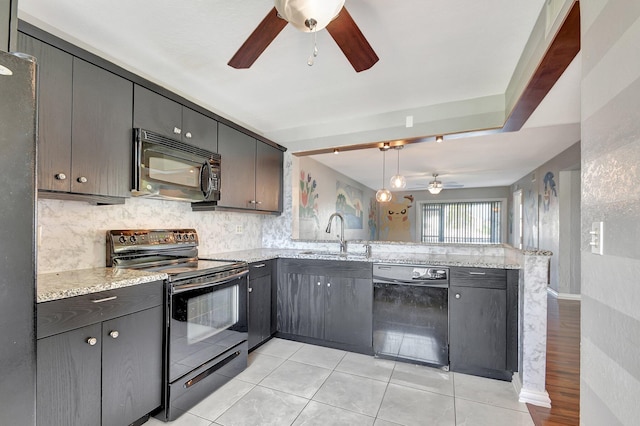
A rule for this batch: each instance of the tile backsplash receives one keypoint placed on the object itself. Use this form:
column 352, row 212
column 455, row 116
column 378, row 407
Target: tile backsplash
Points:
column 72, row 234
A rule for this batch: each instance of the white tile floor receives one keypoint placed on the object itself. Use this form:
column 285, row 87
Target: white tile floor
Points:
column 291, row 383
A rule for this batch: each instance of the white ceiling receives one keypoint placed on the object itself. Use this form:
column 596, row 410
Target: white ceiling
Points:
column 432, row 53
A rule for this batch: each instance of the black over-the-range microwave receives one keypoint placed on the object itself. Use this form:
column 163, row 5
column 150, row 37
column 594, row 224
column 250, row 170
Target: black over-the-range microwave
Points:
column 170, row 169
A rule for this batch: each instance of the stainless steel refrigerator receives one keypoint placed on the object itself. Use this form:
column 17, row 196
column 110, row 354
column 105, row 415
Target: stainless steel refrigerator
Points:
column 18, row 122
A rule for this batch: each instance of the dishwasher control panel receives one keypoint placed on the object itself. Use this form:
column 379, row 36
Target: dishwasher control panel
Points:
column 409, row 273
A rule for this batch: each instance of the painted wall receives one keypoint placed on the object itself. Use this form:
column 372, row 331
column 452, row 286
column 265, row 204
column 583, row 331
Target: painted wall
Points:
column 542, row 208
column 610, row 318
column 319, row 191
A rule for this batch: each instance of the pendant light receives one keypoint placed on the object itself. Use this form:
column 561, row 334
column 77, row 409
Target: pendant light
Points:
column 383, row 195
column 398, row 181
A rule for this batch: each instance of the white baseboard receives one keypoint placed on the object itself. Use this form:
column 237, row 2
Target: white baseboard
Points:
column 569, row 296
column 541, row 399
column 563, row 296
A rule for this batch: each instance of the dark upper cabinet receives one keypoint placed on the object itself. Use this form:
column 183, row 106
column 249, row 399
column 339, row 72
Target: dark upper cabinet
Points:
column 199, row 130
column 238, row 173
column 251, row 172
column 162, row 115
column 55, row 71
column 101, row 131
column 84, row 135
column 268, row 177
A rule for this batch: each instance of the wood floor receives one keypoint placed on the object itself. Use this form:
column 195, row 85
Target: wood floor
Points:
column 563, row 365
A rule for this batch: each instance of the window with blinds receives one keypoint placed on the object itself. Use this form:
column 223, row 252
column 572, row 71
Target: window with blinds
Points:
column 473, row 222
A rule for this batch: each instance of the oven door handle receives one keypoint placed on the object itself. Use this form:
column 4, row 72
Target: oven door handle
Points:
column 180, row 288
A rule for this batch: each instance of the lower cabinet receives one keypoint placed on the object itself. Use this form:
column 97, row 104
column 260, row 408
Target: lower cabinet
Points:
column 330, row 301
column 105, row 373
column 481, row 305
column 259, row 293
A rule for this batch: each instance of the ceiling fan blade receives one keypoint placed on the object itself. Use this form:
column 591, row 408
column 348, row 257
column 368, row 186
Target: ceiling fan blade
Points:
column 352, row 42
column 258, row 41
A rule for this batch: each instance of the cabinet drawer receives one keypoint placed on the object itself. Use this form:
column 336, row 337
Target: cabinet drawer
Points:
column 260, row 269
column 479, row 277
column 67, row 314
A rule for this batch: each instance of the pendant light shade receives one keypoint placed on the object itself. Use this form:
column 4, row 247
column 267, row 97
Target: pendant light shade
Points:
column 398, row 181
column 383, row 195
column 298, row 12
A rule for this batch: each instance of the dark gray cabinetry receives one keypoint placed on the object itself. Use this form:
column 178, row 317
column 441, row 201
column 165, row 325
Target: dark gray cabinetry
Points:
column 162, row 115
column 259, row 293
column 251, row 172
column 84, row 124
column 101, row 131
column 480, row 333
column 55, row 71
column 99, row 358
column 330, row 301
column 268, row 178
column 68, row 377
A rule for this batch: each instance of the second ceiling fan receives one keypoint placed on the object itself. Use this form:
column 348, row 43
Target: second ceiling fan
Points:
column 309, row 16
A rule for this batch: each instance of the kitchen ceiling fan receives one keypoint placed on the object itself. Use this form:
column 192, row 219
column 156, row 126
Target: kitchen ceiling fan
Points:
column 309, row 16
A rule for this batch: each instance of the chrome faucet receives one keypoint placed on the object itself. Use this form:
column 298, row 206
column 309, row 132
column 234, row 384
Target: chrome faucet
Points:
column 343, row 243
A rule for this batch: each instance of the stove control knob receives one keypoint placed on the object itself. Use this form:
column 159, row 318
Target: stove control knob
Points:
column 122, row 239
column 133, row 239
column 179, row 237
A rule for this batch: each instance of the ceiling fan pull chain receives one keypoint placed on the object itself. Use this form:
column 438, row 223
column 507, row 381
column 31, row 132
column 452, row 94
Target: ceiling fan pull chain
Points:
column 311, row 24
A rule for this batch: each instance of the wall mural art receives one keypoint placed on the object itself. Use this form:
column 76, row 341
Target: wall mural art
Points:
column 308, row 199
column 549, row 188
column 349, row 204
column 396, row 220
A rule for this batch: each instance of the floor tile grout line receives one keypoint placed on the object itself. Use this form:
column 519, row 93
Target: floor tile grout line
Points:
column 385, row 391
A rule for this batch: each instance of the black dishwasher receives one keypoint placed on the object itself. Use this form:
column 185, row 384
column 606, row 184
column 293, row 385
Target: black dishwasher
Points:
column 410, row 313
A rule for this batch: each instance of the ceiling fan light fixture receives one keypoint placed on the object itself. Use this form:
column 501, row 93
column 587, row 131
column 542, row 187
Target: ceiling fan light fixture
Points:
column 436, row 186
column 299, row 12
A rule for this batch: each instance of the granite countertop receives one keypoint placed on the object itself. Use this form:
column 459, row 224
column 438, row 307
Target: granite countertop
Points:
column 259, row 255
column 60, row 285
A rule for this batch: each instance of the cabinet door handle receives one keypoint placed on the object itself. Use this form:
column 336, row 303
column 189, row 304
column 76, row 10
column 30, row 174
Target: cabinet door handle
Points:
column 250, row 289
column 328, row 284
column 114, row 334
column 258, row 202
column 92, row 341
column 319, row 283
column 477, row 273
column 82, row 179
column 261, row 265
column 177, row 130
column 106, row 299
column 457, row 295
column 253, row 202
column 188, row 135
column 60, row 176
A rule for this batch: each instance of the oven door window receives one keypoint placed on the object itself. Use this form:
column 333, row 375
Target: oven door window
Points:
column 210, row 313
column 205, row 322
